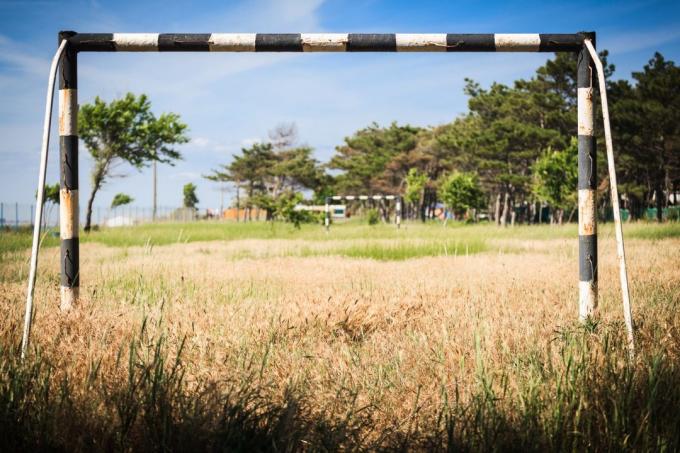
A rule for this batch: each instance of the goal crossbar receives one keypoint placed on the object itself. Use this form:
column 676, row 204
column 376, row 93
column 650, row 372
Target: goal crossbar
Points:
column 325, row 42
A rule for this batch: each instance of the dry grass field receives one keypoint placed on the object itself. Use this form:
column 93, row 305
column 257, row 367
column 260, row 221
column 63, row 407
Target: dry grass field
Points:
column 217, row 337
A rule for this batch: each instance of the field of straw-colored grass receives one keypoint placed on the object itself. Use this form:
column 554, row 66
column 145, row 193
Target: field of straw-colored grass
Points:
column 287, row 343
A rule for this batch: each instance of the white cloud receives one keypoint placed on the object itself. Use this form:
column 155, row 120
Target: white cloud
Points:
column 208, row 144
column 186, row 175
column 248, row 142
column 21, row 59
column 201, row 142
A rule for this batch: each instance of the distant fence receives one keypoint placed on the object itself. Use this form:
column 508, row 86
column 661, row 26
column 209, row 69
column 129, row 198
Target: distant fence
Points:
column 18, row 215
column 15, row 215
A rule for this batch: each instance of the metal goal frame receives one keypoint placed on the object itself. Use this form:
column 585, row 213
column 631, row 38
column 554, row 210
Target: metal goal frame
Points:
column 77, row 43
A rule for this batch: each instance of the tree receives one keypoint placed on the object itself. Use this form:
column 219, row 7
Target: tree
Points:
column 50, row 199
column 515, row 125
column 51, row 194
column 190, row 198
column 512, row 134
column 555, row 178
column 285, row 209
column 415, row 187
column 126, row 131
column 554, row 87
column 121, row 199
column 415, row 183
column 273, row 169
column 646, row 128
column 251, row 168
column 457, row 144
column 364, row 157
column 295, row 169
column 461, row 192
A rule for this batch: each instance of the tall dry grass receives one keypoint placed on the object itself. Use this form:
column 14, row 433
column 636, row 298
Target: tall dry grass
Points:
column 241, row 346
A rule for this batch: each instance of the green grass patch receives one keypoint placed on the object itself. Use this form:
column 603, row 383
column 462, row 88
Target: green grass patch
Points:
column 404, row 250
column 17, row 240
column 652, row 231
column 435, row 238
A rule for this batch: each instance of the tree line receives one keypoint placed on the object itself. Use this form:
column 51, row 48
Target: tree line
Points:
column 512, row 154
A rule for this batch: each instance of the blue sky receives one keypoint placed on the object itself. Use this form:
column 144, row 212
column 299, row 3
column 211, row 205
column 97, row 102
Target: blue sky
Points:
column 230, row 100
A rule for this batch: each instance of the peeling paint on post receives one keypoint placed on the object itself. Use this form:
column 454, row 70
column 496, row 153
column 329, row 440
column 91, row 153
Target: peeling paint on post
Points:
column 587, row 183
column 136, row 42
column 68, row 166
column 232, row 42
column 530, row 42
column 331, row 42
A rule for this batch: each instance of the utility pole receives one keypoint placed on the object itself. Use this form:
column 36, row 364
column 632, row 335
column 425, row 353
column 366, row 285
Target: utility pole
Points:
column 238, row 200
column 222, row 190
column 153, row 212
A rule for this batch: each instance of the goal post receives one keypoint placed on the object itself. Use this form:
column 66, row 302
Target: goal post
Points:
column 68, row 169
column 587, row 184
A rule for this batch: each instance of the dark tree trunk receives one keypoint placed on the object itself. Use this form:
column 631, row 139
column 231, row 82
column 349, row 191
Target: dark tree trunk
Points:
column 497, row 212
column 250, row 200
column 571, row 216
column 506, row 205
column 433, row 209
column 659, row 203
column 238, row 201
column 513, row 214
column 90, row 201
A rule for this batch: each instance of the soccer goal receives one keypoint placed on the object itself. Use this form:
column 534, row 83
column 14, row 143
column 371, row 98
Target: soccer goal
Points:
column 382, row 200
column 72, row 44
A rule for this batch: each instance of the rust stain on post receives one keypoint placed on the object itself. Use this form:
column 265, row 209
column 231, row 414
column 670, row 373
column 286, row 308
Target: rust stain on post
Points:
column 517, row 42
column 421, row 42
column 68, row 112
column 327, row 42
column 586, row 208
column 585, row 111
column 68, row 213
column 232, row 42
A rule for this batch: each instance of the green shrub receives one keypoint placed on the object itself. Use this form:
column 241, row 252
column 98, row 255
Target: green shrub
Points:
column 285, row 209
column 373, row 217
column 673, row 214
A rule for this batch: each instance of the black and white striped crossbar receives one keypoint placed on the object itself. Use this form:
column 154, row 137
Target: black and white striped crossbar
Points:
column 363, row 197
column 325, row 42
